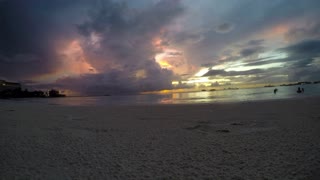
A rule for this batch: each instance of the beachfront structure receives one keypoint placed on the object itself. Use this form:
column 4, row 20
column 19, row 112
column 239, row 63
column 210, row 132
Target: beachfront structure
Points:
column 5, row 85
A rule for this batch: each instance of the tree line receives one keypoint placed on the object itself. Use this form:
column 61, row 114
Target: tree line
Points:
column 19, row 93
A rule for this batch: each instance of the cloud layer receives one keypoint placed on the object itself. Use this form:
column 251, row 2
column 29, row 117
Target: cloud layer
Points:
column 110, row 46
column 116, row 40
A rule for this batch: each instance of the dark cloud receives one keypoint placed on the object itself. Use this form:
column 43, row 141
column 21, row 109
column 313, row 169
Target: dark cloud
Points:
column 127, row 35
column 255, row 42
column 118, row 38
column 118, row 81
column 304, row 33
column 234, row 73
column 126, row 38
column 250, row 18
column 174, row 53
column 28, row 33
column 298, row 65
column 32, row 31
column 224, row 28
column 298, row 55
column 302, row 53
column 309, row 73
column 260, row 61
column 186, row 38
column 250, row 51
column 305, row 48
column 215, row 73
column 254, row 18
column 208, row 65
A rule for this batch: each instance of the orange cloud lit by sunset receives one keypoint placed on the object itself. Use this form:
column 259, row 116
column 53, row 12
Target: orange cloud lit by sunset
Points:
column 171, row 58
column 276, row 32
column 74, row 63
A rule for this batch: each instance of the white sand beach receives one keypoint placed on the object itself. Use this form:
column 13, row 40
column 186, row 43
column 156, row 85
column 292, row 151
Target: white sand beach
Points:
column 246, row 140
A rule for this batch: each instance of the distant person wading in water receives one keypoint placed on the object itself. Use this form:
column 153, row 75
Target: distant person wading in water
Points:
column 299, row 90
column 275, row 91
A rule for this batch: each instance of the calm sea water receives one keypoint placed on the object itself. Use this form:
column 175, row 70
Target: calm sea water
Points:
column 239, row 95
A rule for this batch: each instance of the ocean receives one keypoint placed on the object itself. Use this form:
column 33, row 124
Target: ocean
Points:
column 221, row 96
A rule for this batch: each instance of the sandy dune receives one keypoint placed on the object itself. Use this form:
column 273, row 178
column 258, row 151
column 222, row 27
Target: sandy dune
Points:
column 252, row 140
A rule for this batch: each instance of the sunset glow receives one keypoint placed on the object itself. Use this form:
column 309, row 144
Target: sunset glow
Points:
column 74, row 63
column 160, row 89
column 128, row 46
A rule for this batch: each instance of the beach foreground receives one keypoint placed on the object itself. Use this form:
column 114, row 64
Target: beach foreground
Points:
column 247, row 140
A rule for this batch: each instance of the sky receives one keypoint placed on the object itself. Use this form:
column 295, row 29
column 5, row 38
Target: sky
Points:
column 96, row 47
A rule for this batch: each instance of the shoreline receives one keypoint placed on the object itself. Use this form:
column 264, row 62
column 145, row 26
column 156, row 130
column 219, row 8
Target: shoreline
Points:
column 35, row 101
column 276, row 139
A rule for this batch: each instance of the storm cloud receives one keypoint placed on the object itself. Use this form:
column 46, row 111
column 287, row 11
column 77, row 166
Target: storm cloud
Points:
column 224, row 28
column 122, row 53
column 112, row 46
column 300, row 63
column 32, row 33
column 126, row 45
column 250, row 51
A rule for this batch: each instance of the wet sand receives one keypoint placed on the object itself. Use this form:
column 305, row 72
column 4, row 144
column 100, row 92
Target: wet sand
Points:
column 248, row 140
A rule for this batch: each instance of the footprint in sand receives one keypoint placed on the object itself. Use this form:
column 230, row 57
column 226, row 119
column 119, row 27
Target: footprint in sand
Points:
column 205, row 127
column 193, row 127
column 75, row 118
column 235, row 127
column 236, row 124
column 223, row 130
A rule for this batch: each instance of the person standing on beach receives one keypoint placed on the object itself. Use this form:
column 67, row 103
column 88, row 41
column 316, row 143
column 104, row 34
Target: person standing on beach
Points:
column 275, row 91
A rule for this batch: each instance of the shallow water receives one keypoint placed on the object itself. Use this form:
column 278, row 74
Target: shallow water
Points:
column 240, row 95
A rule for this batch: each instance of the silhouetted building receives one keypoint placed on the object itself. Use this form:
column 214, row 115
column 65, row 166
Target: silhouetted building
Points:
column 5, row 85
